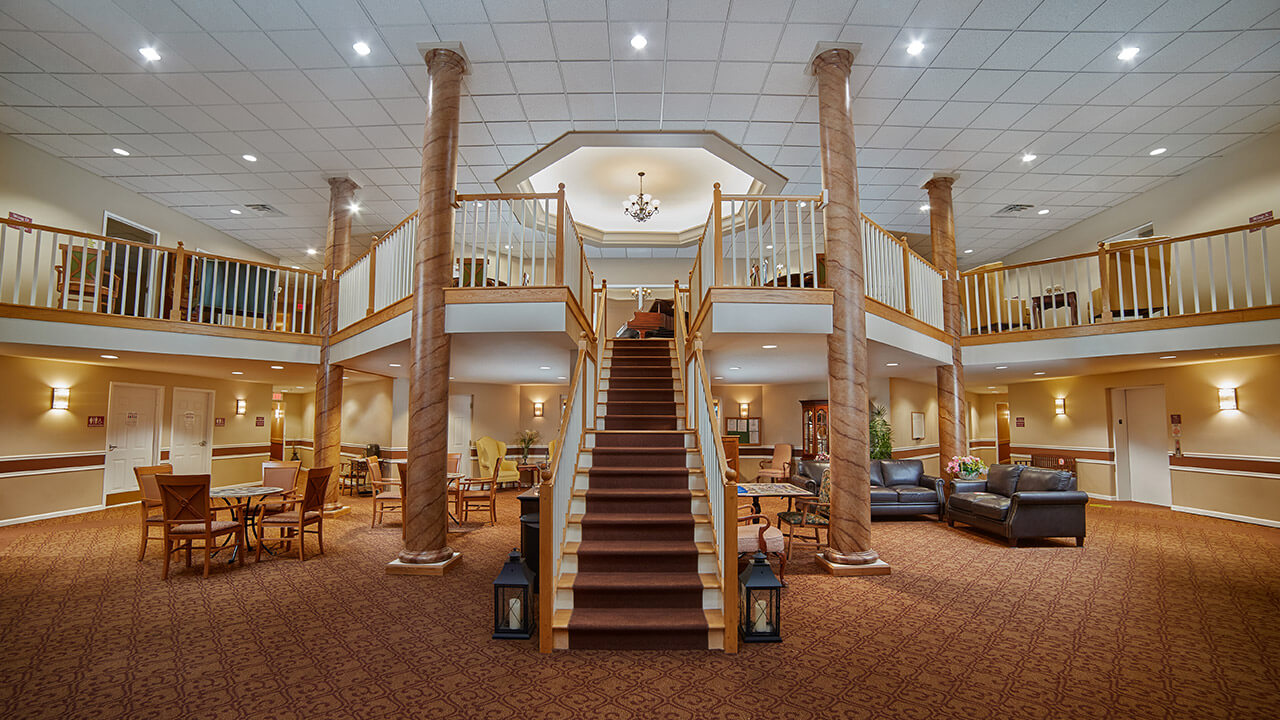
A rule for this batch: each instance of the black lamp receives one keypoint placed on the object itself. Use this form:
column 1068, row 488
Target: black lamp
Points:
column 760, row 602
column 513, row 615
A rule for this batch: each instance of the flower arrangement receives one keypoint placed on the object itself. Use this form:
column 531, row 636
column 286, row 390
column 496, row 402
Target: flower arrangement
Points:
column 822, row 457
column 525, row 440
column 966, row 466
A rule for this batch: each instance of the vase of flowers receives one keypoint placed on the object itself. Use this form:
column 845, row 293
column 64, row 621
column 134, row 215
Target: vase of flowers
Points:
column 525, row 440
column 967, row 467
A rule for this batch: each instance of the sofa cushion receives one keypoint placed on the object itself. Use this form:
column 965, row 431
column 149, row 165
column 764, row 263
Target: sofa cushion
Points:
column 1041, row 479
column 1003, row 479
column 916, row 495
column 901, row 472
column 877, row 478
column 987, row 505
column 883, row 495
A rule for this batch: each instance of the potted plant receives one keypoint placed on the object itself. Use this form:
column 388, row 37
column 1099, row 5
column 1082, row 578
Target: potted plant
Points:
column 967, row 467
column 525, row 440
column 881, row 434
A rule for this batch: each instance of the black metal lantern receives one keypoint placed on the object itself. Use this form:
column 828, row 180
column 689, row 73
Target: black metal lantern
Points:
column 513, row 611
column 760, row 602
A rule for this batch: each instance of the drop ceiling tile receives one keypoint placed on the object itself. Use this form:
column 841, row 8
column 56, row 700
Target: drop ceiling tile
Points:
column 690, row 77
column 321, row 114
column 986, row 85
column 889, row 82
column 740, row 77
column 1174, row 15
column 1022, row 50
column 1185, row 52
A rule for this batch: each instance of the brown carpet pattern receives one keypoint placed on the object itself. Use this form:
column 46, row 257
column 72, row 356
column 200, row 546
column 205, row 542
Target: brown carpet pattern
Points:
column 1160, row 615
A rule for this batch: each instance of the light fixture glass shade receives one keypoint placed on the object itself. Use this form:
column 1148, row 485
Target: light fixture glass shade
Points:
column 744, row 408
column 1227, row 399
column 640, row 206
column 61, row 399
column 537, row 409
column 240, row 406
column 1060, row 406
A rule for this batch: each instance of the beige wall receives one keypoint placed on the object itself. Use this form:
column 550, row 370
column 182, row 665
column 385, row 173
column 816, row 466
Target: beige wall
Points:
column 906, row 397
column 54, row 192
column 299, row 424
column 547, row 426
column 29, row 428
column 366, row 413
column 1219, row 192
column 1191, row 391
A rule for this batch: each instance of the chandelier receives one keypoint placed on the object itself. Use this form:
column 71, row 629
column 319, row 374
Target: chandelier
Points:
column 641, row 206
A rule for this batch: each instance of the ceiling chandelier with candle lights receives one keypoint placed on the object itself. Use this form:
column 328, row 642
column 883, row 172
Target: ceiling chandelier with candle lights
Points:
column 641, row 206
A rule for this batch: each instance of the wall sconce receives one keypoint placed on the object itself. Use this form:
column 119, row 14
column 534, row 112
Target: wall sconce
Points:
column 1060, row 406
column 744, row 409
column 240, row 406
column 61, row 399
column 1226, row 398
column 537, row 409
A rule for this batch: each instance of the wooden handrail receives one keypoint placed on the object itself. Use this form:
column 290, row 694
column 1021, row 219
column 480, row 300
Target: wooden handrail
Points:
column 798, row 198
column 1165, row 240
column 90, row 236
column 1032, row 263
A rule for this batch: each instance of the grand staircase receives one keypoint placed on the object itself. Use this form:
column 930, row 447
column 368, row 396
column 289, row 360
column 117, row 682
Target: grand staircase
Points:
column 638, row 570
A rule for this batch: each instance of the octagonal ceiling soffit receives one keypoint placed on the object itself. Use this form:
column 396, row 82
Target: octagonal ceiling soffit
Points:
column 599, row 171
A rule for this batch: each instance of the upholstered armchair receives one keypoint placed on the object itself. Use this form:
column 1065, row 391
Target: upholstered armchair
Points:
column 491, row 452
column 778, row 467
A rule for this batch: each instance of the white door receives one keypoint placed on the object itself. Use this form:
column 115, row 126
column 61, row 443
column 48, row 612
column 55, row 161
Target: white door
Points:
column 133, row 436
column 460, row 429
column 1147, row 443
column 191, row 438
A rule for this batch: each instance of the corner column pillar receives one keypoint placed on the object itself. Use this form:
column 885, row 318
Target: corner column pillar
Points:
column 328, row 422
column 849, row 539
column 426, row 548
column 953, row 438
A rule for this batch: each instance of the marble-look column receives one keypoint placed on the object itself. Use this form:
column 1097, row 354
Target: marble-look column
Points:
column 952, row 437
column 426, row 548
column 328, row 422
column 849, row 540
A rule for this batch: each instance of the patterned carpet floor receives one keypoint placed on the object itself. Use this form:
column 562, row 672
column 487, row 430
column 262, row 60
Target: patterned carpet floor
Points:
column 1160, row 615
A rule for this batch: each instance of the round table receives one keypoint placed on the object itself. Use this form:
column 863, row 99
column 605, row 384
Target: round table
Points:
column 254, row 492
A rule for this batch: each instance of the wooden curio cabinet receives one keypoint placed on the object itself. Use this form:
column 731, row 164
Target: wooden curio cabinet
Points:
column 813, row 418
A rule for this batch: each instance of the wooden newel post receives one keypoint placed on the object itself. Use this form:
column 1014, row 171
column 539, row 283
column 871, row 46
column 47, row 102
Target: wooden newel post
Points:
column 1104, row 279
column 560, row 220
column 373, row 278
column 719, row 236
column 906, row 276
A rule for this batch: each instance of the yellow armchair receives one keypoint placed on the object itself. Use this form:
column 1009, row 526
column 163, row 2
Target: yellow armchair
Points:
column 489, row 451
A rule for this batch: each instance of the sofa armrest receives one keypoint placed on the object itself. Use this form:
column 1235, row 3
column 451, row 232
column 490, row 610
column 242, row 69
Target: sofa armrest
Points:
column 929, row 481
column 968, row 486
column 1050, row 497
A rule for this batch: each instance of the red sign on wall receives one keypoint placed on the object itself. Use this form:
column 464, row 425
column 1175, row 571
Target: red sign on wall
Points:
column 96, row 421
column 20, row 218
column 219, row 422
column 1020, row 422
column 1256, row 218
column 260, row 421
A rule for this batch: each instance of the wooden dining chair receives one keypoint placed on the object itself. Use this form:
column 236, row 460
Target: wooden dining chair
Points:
column 478, row 495
column 303, row 512
column 778, row 467
column 188, row 516
column 761, row 536
column 809, row 514
column 388, row 495
column 152, row 514
column 283, row 474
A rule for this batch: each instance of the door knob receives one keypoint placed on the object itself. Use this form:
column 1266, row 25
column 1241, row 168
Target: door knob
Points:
column 112, row 447
column 203, row 443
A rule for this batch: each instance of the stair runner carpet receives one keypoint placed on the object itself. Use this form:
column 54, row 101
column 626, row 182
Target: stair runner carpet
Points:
column 637, row 585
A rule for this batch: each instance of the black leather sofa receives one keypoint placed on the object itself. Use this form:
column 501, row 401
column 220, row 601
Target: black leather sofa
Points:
column 898, row 487
column 1018, row 502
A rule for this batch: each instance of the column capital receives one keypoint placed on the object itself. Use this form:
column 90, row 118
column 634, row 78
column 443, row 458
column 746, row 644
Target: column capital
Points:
column 837, row 55
column 439, row 56
column 342, row 184
column 939, row 180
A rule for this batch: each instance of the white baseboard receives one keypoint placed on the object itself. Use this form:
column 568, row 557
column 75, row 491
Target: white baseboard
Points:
column 1097, row 496
column 1225, row 516
column 46, row 516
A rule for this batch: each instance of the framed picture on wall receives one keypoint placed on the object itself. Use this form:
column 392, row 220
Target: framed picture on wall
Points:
column 917, row 426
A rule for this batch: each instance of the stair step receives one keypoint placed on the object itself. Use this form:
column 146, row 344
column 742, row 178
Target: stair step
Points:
column 637, row 547
column 636, row 519
column 637, row 581
column 639, row 629
column 638, row 493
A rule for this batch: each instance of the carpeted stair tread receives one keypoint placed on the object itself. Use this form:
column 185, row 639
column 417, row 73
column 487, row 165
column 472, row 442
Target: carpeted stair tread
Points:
column 637, row 620
column 638, row 519
column 638, row 547
column 639, row 581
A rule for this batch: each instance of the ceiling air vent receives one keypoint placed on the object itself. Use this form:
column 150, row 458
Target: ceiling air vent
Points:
column 265, row 209
column 1006, row 210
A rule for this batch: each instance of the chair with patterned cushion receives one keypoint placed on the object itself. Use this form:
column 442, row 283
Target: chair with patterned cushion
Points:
column 761, row 536
column 778, row 467
column 302, row 513
column 188, row 516
column 808, row 515
column 388, row 495
column 152, row 515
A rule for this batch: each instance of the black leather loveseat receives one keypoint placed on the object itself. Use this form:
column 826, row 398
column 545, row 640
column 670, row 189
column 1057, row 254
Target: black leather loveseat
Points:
column 1018, row 502
column 898, row 487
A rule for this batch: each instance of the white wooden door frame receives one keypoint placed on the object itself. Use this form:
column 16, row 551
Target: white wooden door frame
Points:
column 1120, row 437
column 155, row 427
column 173, row 420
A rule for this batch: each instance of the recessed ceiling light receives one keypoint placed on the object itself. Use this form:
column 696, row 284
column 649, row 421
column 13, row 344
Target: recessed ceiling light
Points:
column 924, row 208
column 891, row 364
column 394, row 364
column 968, row 250
column 639, row 42
column 1159, row 151
column 1038, row 373
column 768, row 347
column 109, row 357
column 250, row 158
column 277, row 367
column 1042, row 212
column 735, row 368
column 1028, row 157
column 915, row 48
column 544, row 367
column 361, row 48
column 1162, row 357
column 149, row 53
column 991, row 387
column 311, row 251
column 561, row 377
column 768, row 247
column 236, row 372
column 299, row 387
column 718, row 377
column 120, row 151
column 1128, row 53
column 1002, row 367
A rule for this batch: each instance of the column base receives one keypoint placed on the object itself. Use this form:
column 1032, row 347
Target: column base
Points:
column 398, row 567
column 336, row 512
column 879, row 567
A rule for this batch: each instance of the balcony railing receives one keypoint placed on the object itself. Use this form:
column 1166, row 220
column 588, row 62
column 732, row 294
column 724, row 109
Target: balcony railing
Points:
column 48, row 267
column 780, row 242
column 500, row 240
column 1228, row 269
